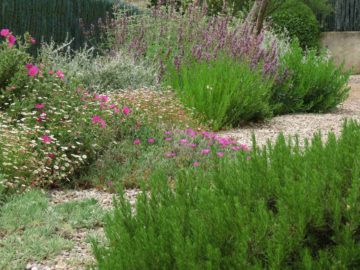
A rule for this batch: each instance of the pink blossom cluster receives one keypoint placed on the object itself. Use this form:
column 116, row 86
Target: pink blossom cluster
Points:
column 203, row 143
column 11, row 39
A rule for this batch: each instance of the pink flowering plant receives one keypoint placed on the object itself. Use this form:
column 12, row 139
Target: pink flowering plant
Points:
column 53, row 129
column 13, row 58
column 170, row 151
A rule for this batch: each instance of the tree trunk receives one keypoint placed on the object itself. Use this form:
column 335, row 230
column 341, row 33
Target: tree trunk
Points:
column 261, row 16
column 255, row 18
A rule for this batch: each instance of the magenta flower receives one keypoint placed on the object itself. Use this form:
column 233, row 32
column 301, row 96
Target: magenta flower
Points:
column 112, row 106
column 116, row 110
column 170, row 155
column 11, row 39
column 103, row 123
column 168, row 133
column 28, row 66
column 96, row 119
column 137, row 142
column 205, row 151
column 191, row 132
column 126, row 110
column 151, row 140
column 193, row 145
column 168, row 139
column 60, row 74
column 46, row 139
column 40, row 106
column 33, row 71
column 236, row 148
column 4, row 32
column 196, row 164
column 184, row 141
column 244, row 147
column 220, row 154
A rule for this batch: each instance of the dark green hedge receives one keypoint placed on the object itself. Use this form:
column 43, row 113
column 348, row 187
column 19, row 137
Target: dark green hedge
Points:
column 300, row 21
column 53, row 18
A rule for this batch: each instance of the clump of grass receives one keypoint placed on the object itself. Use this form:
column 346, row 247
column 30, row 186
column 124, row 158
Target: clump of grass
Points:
column 32, row 229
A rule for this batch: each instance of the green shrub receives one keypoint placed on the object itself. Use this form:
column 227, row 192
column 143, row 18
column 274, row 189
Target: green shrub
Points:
column 300, row 22
column 284, row 208
column 226, row 92
column 311, row 82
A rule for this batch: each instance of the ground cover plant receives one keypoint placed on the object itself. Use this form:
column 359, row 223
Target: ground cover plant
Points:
column 133, row 161
column 282, row 208
column 32, row 229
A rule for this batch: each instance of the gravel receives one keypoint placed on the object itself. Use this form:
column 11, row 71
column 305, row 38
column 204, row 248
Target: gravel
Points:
column 304, row 125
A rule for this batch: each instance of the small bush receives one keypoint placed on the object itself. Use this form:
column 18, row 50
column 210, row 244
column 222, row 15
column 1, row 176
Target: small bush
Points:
column 310, row 82
column 300, row 22
column 284, row 208
column 98, row 73
column 226, row 92
column 51, row 129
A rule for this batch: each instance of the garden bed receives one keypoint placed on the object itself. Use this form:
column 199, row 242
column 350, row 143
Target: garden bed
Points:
column 305, row 125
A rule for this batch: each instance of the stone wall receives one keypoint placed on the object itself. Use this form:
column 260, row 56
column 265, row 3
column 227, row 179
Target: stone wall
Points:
column 343, row 47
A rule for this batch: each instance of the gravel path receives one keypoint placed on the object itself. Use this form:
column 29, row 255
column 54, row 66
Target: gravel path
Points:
column 305, row 125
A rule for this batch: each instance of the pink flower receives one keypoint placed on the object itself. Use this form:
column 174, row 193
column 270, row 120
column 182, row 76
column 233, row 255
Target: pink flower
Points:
column 244, row 147
column 33, row 71
column 4, row 32
column 46, row 139
column 151, row 140
column 60, row 74
column 220, row 154
column 248, row 158
column 32, row 40
column 191, row 132
column 96, row 119
column 137, row 142
column 168, row 133
column 168, row 139
column 11, row 39
column 51, row 155
column 28, row 66
column 116, row 110
column 196, row 164
column 170, row 155
column 103, row 123
column 40, row 106
column 112, row 106
column 51, row 72
column 205, row 151
column 126, row 110
column 236, row 148
column 193, row 145
column 183, row 141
